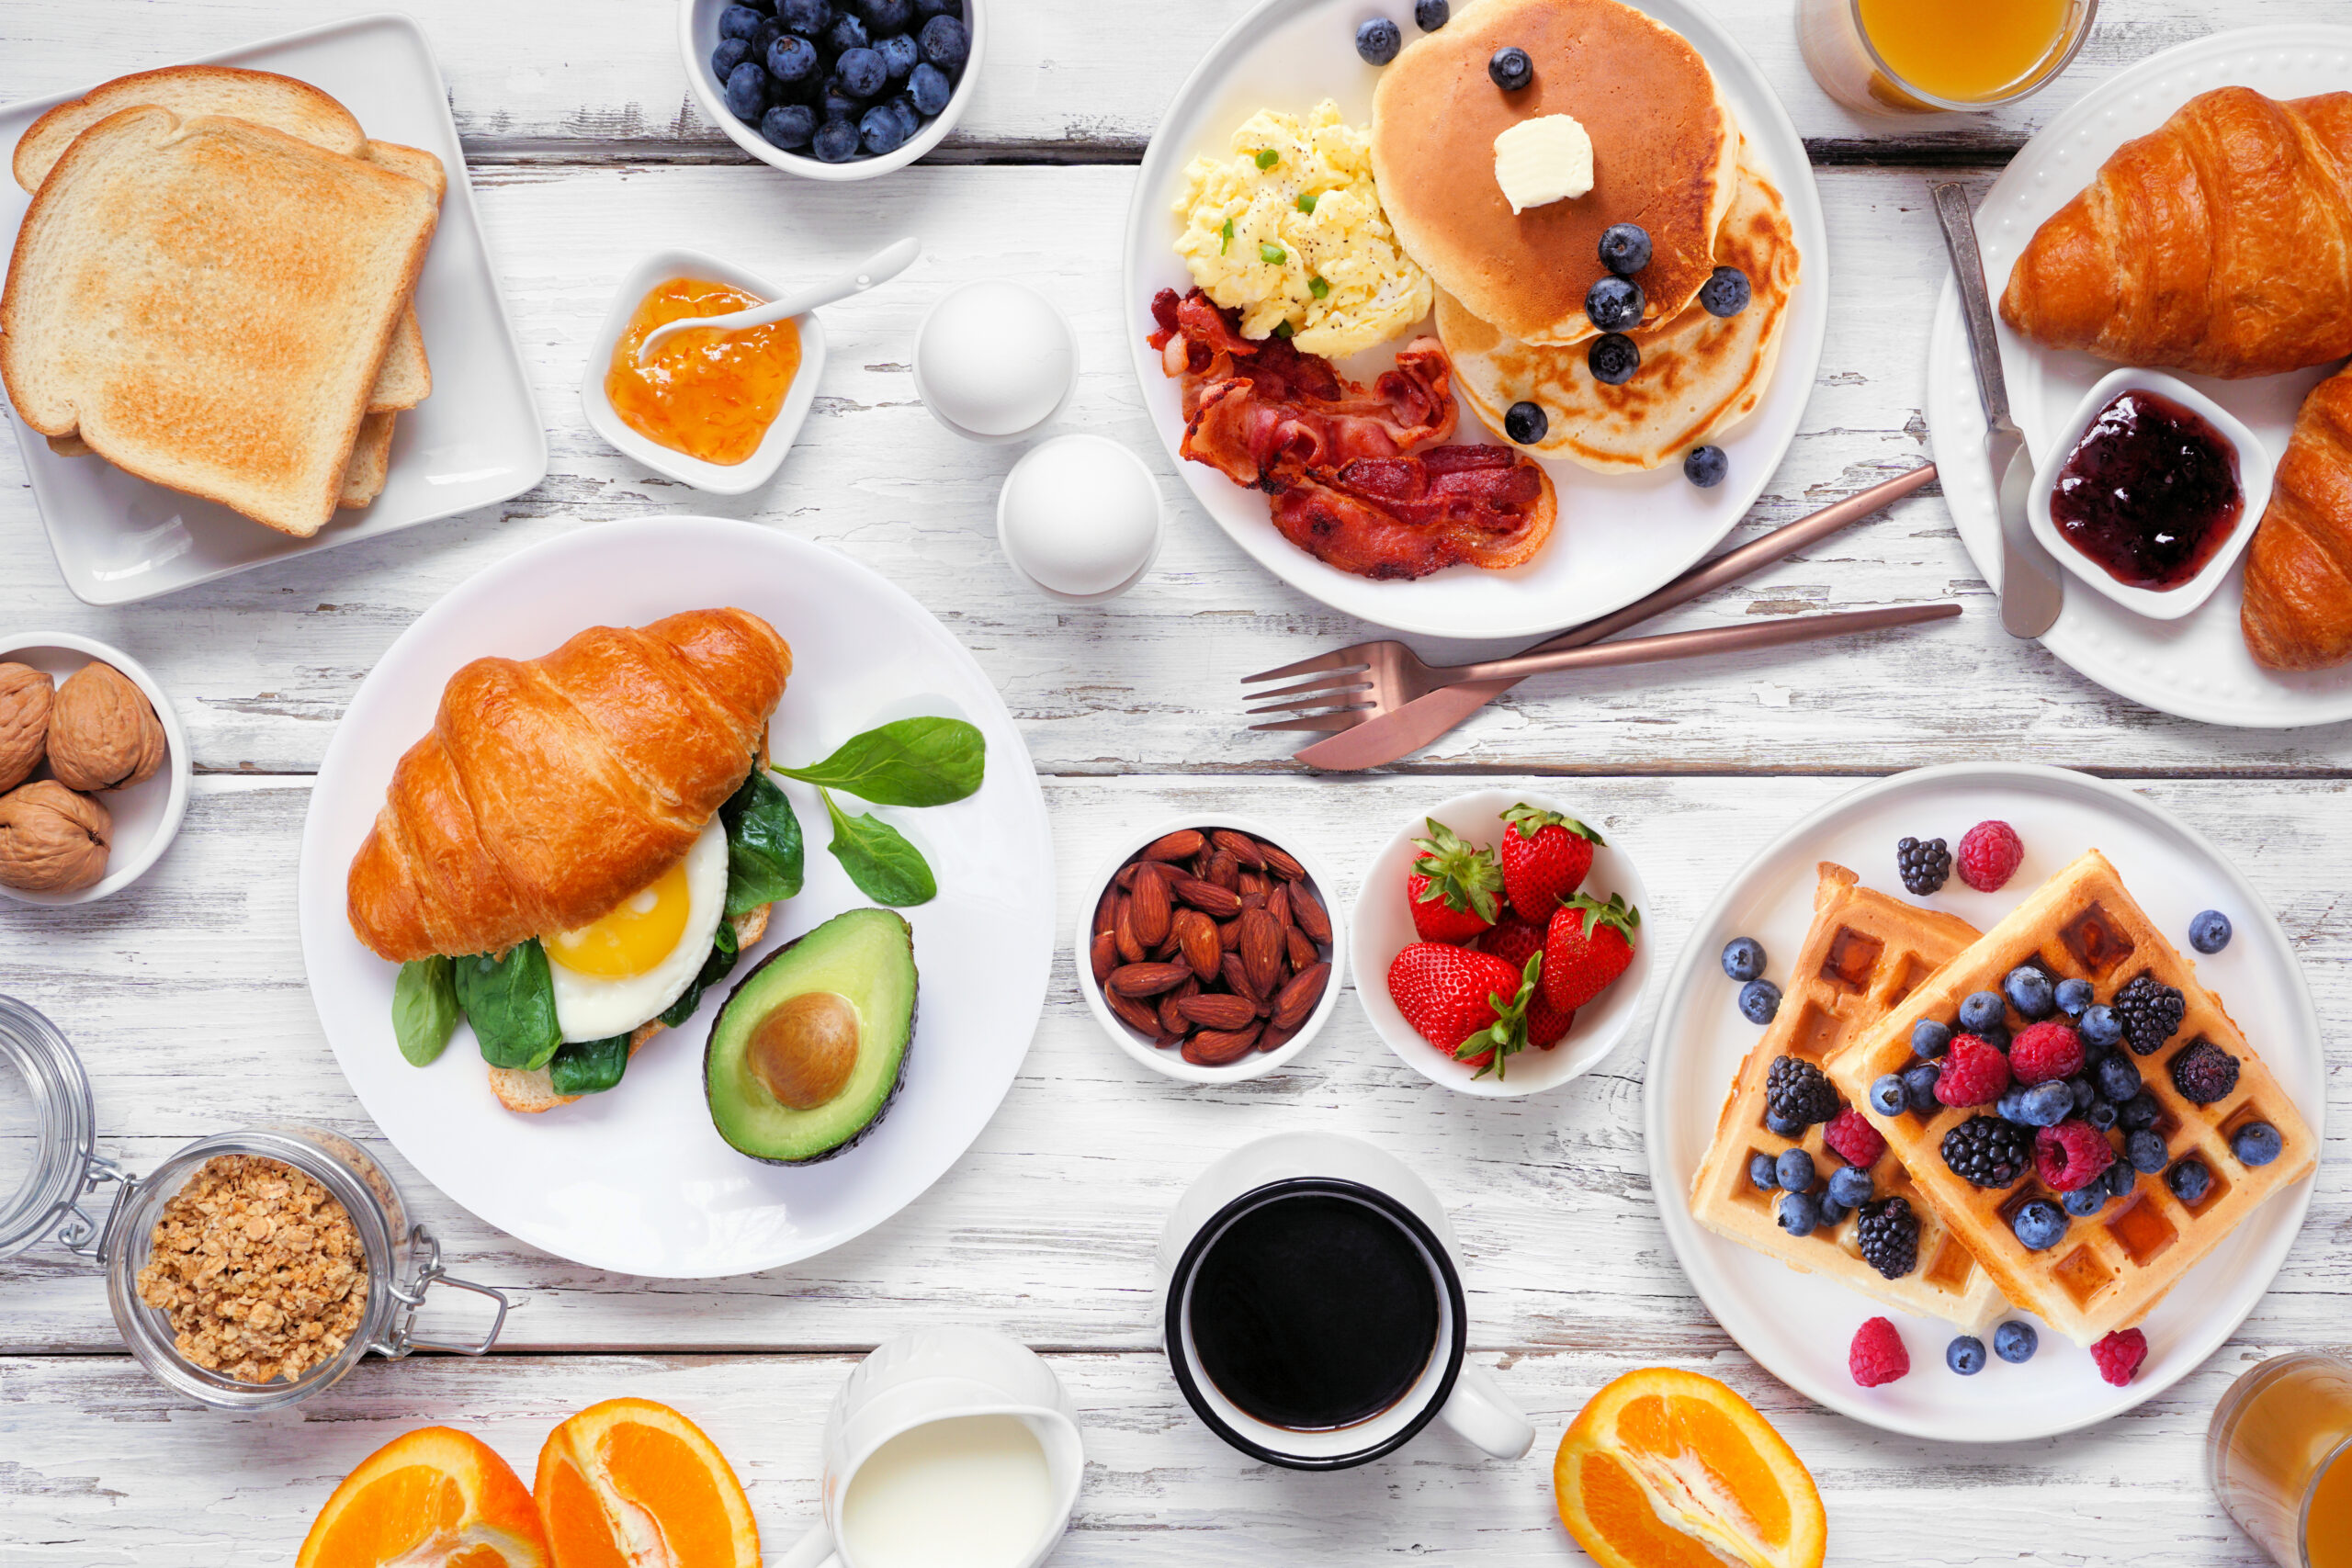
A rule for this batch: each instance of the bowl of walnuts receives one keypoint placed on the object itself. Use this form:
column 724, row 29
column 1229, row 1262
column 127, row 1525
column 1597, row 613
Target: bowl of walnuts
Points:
column 93, row 768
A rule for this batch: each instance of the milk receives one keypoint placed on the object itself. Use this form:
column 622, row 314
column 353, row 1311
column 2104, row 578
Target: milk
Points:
column 967, row 1492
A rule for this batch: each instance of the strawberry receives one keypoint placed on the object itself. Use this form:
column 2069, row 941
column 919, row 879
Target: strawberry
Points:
column 1452, row 886
column 1515, row 942
column 1588, row 945
column 1545, row 856
column 1471, row 1005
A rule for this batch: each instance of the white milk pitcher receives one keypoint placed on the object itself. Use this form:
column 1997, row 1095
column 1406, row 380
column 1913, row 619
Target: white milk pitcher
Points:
column 947, row 1447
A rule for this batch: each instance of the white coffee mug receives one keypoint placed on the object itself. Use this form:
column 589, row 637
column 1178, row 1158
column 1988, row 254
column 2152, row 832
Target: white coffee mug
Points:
column 1449, row 1388
column 928, row 1376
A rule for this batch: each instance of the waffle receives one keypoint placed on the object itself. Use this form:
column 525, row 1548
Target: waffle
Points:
column 1865, row 953
column 2110, row 1269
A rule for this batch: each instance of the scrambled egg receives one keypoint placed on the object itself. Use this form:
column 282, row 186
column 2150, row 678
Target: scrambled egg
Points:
column 1289, row 229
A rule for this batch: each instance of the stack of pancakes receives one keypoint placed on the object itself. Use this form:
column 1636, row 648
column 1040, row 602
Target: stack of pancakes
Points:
column 1667, row 155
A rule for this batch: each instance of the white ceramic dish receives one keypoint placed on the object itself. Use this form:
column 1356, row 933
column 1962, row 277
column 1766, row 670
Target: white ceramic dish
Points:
column 2255, row 471
column 1383, row 928
column 1082, row 513
column 476, row 441
column 1257, row 1064
column 1798, row 1326
column 147, row 815
column 636, row 1179
column 718, row 479
column 1290, row 54
column 698, row 35
column 2197, row 666
column 983, row 362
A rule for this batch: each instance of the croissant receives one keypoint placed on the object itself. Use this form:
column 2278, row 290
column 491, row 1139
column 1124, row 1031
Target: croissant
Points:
column 552, row 788
column 2298, row 613
column 2221, row 244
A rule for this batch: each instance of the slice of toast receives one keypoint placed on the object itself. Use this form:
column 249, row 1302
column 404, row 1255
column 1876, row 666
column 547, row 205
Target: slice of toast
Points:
column 364, row 472
column 207, row 302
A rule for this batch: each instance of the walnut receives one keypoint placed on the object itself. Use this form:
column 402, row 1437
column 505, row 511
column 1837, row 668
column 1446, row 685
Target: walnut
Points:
column 102, row 733
column 25, row 697
column 53, row 841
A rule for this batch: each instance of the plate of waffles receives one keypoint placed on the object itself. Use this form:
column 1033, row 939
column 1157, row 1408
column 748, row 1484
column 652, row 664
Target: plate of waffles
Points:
column 2121, row 1170
column 1376, row 325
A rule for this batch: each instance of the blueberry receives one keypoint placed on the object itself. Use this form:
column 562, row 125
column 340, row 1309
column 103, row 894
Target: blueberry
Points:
column 1919, row 1088
column 861, row 72
column 1725, row 292
column 789, row 126
column 1526, row 422
column 2120, row 1178
column 1996, row 1037
column 1832, row 1211
column 1430, row 15
column 837, row 101
column 946, row 43
column 2016, row 1342
column 2136, row 1112
column 847, row 33
column 1929, row 1038
column 1794, row 1170
column 881, row 132
column 1705, row 466
column 1981, row 1011
column 899, row 55
column 1378, row 41
column 930, row 88
column 1887, row 1096
column 2039, row 1225
column 909, row 119
column 2100, row 1028
column 927, row 9
column 1744, row 958
column 2209, row 931
column 1850, row 1185
column 2189, row 1181
column 747, row 92
column 2030, row 992
column 764, row 39
column 2143, row 1151
column 1613, row 303
column 1612, row 359
column 794, row 59
column 2100, row 1114
column 836, row 142
column 739, row 21
column 2118, row 1078
column 1799, row 1213
column 1759, row 1001
column 2256, row 1143
column 730, row 52
column 2084, row 1201
column 2010, row 1107
column 1762, row 1174
column 1625, row 248
column 1511, row 69
column 1782, row 1126
column 2083, row 1092
column 2073, row 997
column 806, row 17
column 1965, row 1354
column 889, row 15
column 2045, row 1105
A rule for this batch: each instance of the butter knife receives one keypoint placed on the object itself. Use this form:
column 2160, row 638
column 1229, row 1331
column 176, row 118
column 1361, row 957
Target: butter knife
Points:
column 2032, row 593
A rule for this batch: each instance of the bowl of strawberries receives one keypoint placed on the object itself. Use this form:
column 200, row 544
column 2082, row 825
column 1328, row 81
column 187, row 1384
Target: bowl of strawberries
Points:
column 1497, row 944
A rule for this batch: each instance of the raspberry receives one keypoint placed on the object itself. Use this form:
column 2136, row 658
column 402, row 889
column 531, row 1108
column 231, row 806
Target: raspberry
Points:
column 1985, row 1151
column 1888, row 1236
column 1974, row 1073
column 2119, row 1354
column 1852, row 1136
column 2150, row 1012
column 1989, row 854
column 2204, row 1073
column 2046, row 1051
column 1797, row 1091
column 2073, row 1153
column 1878, row 1355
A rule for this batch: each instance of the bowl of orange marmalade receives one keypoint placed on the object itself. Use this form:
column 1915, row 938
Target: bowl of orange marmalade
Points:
column 714, row 410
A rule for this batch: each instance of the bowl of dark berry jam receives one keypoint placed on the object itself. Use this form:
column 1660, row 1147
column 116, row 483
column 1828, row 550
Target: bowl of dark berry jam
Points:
column 2151, row 492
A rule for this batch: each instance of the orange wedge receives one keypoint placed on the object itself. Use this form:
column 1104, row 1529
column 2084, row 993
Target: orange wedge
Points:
column 1667, row 1469
column 630, row 1482
column 433, row 1498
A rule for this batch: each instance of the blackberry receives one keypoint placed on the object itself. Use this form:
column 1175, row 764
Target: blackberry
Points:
column 1925, row 867
column 2204, row 1073
column 1888, row 1234
column 2150, row 1012
column 1985, row 1151
column 1796, row 1090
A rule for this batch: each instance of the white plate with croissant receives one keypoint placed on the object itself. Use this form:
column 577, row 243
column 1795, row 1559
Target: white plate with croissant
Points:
column 563, row 850
column 2083, row 285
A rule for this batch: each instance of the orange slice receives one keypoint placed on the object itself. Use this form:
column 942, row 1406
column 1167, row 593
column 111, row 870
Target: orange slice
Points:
column 1667, row 1469
column 433, row 1498
column 629, row 1484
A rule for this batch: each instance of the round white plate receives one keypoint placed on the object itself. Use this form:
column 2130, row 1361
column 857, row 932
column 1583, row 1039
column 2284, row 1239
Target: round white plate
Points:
column 1292, row 54
column 1799, row 1327
column 2197, row 667
column 636, row 1179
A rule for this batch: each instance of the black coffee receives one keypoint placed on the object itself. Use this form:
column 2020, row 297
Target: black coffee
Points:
column 1314, row 1311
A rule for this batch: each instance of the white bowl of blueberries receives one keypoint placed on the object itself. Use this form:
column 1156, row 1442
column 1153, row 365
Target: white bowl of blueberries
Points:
column 832, row 89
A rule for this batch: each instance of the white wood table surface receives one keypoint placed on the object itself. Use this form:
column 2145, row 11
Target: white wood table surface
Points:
column 185, row 996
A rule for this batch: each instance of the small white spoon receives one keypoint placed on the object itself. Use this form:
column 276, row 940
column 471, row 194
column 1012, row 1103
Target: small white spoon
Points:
column 880, row 268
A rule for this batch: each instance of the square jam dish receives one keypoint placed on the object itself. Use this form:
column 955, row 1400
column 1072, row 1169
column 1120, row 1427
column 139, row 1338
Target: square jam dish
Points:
column 2256, row 468
column 476, row 441
column 718, row 479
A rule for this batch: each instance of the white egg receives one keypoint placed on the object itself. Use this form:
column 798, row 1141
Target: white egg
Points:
column 1079, row 515
column 994, row 360
column 619, row 971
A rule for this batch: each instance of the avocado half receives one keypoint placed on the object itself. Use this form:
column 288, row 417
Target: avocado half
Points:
column 809, row 1048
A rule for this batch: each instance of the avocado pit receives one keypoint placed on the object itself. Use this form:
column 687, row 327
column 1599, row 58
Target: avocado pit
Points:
column 802, row 1052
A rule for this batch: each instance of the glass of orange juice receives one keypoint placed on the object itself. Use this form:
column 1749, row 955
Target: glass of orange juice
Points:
column 1929, row 56
column 2279, row 1456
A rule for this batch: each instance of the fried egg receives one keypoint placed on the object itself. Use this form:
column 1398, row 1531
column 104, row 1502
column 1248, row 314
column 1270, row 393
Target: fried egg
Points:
column 624, row 969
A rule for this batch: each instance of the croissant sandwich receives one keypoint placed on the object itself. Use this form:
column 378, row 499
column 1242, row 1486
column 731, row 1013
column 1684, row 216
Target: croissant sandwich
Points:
column 2219, row 243
column 2298, row 613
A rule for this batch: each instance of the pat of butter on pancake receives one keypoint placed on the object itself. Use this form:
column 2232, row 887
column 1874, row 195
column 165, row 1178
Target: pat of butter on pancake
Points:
column 1544, row 159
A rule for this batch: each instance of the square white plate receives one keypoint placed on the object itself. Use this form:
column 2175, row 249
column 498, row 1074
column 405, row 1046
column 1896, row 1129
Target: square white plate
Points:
column 477, row 440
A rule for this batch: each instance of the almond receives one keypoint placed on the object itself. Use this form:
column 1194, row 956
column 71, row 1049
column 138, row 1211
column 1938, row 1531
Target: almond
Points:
column 1196, row 938
column 1225, row 871
column 1137, row 1016
column 1149, row 910
column 1122, row 931
column 1254, row 882
column 1106, row 911
column 1171, row 1018
column 1301, row 949
column 1147, row 979
column 1103, row 956
column 1309, row 914
column 1240, row 846
column 1278, row 904
column 1261, row 952
column 1216, row 902
column 1220, row 1048
column 1181, row 844
column 1295, row 1000
column 1254, row 899
column 1237, row 978
column 1126, row 877
column 1214, row 1010
column 1281, row 864
column 1275, row 1037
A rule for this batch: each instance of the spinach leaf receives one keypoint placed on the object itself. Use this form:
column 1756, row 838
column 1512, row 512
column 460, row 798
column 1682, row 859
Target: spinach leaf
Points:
column 764, row 855
column 425, row 1010
column 886, row 867
column 510, row 1000
column 911, row 762
column 723, row 950
column 588, row 1066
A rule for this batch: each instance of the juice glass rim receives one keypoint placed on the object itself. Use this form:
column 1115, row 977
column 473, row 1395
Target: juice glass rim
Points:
column 2046, row 70
column 2340, row 1454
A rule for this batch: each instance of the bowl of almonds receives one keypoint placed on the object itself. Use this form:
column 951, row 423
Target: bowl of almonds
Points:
column 1211, row 949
